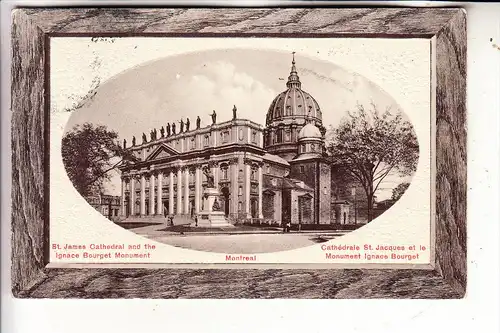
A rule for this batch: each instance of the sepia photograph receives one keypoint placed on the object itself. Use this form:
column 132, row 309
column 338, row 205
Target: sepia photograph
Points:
column 240, row 150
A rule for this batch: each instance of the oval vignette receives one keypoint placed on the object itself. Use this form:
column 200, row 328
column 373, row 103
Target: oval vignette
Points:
column 268, row 156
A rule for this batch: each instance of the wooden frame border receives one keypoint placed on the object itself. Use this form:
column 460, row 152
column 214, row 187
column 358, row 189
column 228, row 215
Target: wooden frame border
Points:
column 31, row 28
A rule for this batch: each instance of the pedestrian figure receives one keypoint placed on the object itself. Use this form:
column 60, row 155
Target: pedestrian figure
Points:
column 288, row 226
column 196, row 220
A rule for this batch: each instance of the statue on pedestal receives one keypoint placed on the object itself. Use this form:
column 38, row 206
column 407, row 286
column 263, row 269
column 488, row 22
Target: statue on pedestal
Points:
column 144, row 138
column 124, row 143
column 187, row 124
column 162, row 132
column 155, row 133
column 198, row 122
column 152, row 134
column 168, row 129
column 173, row 128
column 133, row 141
column 234, row 111
column 210, row 178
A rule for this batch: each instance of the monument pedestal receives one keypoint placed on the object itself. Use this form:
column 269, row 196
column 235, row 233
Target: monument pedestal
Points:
column 210, row 217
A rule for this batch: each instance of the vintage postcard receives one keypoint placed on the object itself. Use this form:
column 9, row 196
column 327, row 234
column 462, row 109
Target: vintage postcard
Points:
column 241, row 152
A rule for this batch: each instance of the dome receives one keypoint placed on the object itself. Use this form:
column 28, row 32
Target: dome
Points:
column 293, row 102
column 309, row 131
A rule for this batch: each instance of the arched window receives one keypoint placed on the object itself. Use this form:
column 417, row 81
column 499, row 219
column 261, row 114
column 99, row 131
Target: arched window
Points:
column 253, row 173
column 287, row 136
column 224, row 171
column 280, row 135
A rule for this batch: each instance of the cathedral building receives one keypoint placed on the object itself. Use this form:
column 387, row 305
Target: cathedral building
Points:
column 279, row 172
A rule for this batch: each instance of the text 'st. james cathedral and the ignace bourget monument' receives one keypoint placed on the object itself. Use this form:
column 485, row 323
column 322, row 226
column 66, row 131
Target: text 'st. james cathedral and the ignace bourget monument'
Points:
column 237, row 170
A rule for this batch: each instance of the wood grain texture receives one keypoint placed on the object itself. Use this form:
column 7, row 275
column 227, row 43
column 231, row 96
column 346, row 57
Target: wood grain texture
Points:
column 27, row 151
column 147, row 283
column 451, row 152
column 30, row 277
column 349, row 21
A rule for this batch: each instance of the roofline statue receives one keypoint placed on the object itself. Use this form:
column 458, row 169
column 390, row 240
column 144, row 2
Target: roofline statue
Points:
column 214, row 117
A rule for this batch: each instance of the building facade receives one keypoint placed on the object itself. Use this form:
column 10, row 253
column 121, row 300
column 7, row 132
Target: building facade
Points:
column 107, row 205
column 278, row 173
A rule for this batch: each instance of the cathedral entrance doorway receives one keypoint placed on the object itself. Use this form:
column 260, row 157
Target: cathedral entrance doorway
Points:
column 165, row 211
column 253, row 207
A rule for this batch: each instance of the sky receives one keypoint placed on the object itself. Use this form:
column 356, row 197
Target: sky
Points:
column 165, row 89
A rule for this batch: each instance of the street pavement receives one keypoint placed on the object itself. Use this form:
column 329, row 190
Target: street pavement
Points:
column 260, row 242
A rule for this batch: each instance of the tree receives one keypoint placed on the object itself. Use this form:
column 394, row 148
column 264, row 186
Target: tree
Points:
column 89, row 153
column 370, row 146
column 399, row 191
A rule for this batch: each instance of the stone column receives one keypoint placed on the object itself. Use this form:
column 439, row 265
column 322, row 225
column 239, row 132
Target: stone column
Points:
column 234, row 187
column 179, row 191
column 186, row 191
column 132, row 196
column 152, row 194
column 197, row 189
column 124, row 185
column 143, row 195
column 247, row 188
column 259, row 174
column 159, row 195
column 171, row 193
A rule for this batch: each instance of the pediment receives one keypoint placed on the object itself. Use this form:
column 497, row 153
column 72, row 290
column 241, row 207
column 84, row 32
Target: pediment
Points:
column 161, row 152
column 268, row 192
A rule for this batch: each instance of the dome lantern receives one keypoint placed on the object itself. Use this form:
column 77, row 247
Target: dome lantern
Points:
column 293, row 78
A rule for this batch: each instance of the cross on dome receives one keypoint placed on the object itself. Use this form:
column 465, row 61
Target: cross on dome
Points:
column 293, row 79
